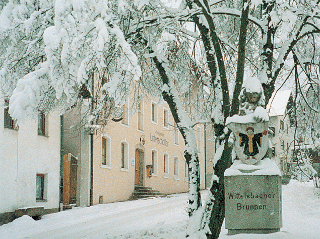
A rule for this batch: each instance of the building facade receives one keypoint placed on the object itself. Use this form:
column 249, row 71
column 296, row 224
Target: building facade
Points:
column 30, row 164
column 147, row 139
column 279, row 129
column 143, row 149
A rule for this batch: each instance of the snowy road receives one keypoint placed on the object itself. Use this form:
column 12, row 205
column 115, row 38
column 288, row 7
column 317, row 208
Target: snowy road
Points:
column 115, row 220
column 162, row 218
column 123, row 218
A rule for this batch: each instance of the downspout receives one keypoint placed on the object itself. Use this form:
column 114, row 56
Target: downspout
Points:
column 61, row 159
column 205, row 156
column 91, row 168
column 91, row 145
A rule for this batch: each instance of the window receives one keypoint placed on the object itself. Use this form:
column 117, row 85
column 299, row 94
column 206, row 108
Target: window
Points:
column 154, row 115
column 40, row 187
column 154, row 161
column 273, row 151
column 198, row 139
column 105, row 151
column 272, row 131
column 186, row 169
column 176, row 134
column 140, row 116
column 165, row 118
column 9, row 123
column 282, row 144
column 176, row 167
column 124, row 155
column 125, row 116
column 165, row 164
column 42, row 123
column 281, row 125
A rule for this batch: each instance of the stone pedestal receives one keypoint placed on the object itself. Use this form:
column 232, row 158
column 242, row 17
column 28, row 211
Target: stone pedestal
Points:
column 253, row 198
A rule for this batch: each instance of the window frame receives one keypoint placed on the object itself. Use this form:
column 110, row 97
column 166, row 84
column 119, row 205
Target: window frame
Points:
column 154, row 162
column 272, row 131
column 124, row 156
column 125, row 115
column 199, row 139
column 154, row 112
column 281, row 125
column 176, row 167
column 8, row 121
column 165, row 118
column 166, row 165
column 140, row 117
column 176, row 134
column 42, row 123
column 42, row 197
column 105, row 151
column 186, row 170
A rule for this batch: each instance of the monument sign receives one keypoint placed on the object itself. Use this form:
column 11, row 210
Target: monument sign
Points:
column 253, row 197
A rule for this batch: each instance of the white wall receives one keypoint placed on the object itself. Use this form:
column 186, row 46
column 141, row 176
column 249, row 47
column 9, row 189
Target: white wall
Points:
column 23, row 154
column 276, row 140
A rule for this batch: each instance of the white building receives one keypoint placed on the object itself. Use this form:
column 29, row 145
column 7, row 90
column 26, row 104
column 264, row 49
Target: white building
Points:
column 279, row 128
column 30, row 165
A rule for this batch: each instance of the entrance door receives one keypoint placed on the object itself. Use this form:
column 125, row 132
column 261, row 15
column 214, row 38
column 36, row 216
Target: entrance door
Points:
column 73, row 179
column 137, row 167
column 70, row 166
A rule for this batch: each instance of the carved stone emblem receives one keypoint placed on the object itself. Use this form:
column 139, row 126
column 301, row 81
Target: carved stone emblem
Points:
column 251, row 141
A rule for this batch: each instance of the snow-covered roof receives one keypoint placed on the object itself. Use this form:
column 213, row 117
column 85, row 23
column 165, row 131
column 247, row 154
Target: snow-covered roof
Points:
column 278, row 102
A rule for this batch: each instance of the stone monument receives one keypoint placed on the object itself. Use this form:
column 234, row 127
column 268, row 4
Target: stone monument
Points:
column 253, row 182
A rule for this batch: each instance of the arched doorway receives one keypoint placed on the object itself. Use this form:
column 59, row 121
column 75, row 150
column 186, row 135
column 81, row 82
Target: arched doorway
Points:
column 139, row 162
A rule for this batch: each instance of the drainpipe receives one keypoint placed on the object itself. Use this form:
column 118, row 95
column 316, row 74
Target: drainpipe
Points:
column 205, row 155
column 91, row 168
column 91, row 144
column 61, row 160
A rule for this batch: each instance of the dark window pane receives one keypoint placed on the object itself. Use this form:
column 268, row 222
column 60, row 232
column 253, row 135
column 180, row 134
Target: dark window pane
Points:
column 122, row 155
column 39, row 187
column 41, row 124
column 8, row 121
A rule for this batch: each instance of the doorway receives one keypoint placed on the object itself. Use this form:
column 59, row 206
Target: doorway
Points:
column 70, row 169
column 139, row 155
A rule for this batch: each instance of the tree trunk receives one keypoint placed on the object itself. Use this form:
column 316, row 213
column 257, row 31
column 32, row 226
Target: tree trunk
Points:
column 217, row 188
column 241, row 57
column 267, row 50
column 170, row 95
column 214, row 211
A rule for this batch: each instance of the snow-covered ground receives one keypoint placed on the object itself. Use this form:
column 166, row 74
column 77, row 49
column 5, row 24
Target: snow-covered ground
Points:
column 162, row 218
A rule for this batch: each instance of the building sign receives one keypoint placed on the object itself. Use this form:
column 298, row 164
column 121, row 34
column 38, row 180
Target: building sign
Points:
column 159, row 140
column 159, row 133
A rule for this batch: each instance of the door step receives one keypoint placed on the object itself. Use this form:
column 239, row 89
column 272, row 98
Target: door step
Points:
column 145, row 192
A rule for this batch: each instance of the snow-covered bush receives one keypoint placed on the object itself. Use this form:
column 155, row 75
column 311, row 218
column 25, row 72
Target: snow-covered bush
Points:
column 303, row 170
